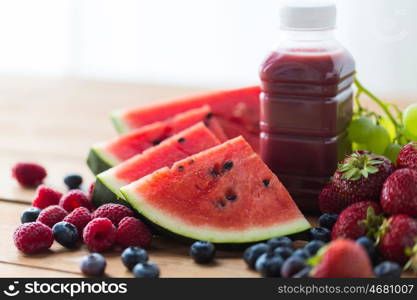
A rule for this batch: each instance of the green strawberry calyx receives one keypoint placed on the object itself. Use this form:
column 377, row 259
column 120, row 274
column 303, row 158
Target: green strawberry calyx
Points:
column 382, row 230
column 316, row 259
column 373, row 223
column 358, row 165
column 412, row 253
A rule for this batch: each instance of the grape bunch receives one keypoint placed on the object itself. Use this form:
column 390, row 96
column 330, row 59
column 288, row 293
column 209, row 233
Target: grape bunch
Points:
column 385, row 133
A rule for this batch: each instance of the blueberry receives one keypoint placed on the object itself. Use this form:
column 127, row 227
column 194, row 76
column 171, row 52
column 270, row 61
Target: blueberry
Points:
column 269, row 265
column 281, row 241
column 313, row 246
column 73, row 181
column 202, row 252
column 285, row 251
column 320, row 233
column 146, row 270
column 93, row 264
column 388, row 269
column 292, row 266
column 368, row 245
column 252, row 253
column 259, row 264
column 304, row 273
column 66, row 234
column 30, row 215
column 302, row 253
column 328, row 220
column 131, row 256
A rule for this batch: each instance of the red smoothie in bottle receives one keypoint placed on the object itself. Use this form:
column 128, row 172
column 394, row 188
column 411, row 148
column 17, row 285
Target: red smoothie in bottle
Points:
column 306, row 102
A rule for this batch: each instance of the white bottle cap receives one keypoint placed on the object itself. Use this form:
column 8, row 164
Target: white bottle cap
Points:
column 308, row 15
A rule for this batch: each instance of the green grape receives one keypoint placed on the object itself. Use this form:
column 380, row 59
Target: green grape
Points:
column 379, row 140
column 410, row 119
column 357, row 146
column 409, row 137
column 389, row 126
column 360, row 129
column 392, row 152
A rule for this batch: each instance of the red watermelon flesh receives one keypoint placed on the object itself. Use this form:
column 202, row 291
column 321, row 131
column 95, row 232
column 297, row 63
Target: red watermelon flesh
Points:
column 187, row 142
column 225, row 194
column 237, row 111
column 132, row 143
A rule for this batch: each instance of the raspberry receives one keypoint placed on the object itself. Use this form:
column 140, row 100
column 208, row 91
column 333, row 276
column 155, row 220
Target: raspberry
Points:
column 114, row 212
column 91, row 190
column 132, row 232
column 28, row 174
column 52, row 215
column 99, row 234
column 33, row 237
column 79, row 217
column 45, row 196
column 74, row 199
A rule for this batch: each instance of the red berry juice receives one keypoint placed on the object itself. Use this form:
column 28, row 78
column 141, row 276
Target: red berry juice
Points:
column 306, row 106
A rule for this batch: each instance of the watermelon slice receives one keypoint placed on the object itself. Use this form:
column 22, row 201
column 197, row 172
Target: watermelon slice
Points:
column 187, row 142
column 237, row 111
column 108, row 154
column 225, row 194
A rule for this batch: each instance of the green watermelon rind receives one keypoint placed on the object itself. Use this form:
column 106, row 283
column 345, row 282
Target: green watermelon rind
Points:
column 105, row 191
column 118, row 122
column 99, row 160
column 103, row 194
column 212, row 235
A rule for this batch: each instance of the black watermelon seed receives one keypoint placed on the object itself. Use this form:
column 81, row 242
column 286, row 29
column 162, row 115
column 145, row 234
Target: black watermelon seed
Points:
column 209, row 116
column 181, row 168
column 191, row 162
column 227, row 165
column 220, row 204
column 266, row 182
column 213, row 172
column 156, row 142
column 181, row 140
column 231, row 197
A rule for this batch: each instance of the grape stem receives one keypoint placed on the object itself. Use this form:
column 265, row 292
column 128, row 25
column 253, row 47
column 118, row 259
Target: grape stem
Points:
column 357, row 102
column 384, row 106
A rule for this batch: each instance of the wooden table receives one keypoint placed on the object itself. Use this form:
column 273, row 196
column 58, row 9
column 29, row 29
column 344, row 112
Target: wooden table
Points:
column 54, row 122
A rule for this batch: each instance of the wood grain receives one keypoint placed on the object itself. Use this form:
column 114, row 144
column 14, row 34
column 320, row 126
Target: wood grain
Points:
column 19, row 271
column 54, row 122
column 172, row 257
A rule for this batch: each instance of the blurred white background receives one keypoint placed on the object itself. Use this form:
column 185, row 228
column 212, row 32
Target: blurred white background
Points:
column 209, row 43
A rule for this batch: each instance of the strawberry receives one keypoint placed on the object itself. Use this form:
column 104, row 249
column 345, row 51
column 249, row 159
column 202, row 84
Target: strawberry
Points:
column 359, row 219
column 407, row 158
column 342, row 258
column 396, row 235
column 361, row 175
column 399, row 193
column 333, row 200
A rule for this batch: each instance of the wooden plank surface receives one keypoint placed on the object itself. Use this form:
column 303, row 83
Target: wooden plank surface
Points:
column 171, row 256
column 12, row 270
column 54, row 122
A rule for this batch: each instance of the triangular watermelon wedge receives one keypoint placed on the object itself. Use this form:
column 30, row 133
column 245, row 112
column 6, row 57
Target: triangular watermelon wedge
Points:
column 237, row 111
column 225, row 194
column 105, row 155
column 187, row 142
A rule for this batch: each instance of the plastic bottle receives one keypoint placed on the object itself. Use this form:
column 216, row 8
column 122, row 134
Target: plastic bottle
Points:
column 306, row 101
